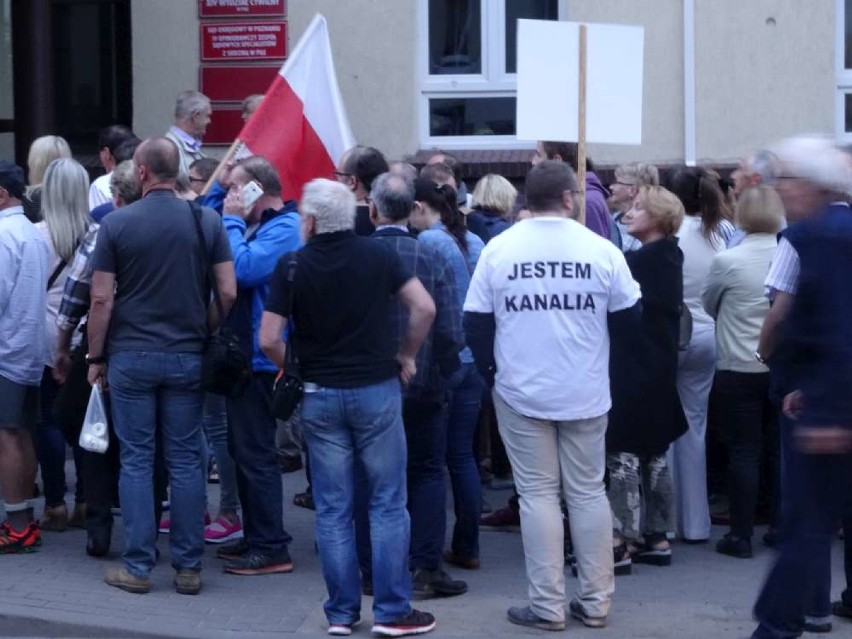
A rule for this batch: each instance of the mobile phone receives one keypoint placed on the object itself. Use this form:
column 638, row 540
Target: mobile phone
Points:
column 251, row 192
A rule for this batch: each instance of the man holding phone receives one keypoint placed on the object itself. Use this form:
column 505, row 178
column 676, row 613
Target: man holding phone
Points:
column 261, row 228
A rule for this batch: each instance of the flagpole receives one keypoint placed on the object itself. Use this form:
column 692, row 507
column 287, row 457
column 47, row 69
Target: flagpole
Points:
column 231, row 151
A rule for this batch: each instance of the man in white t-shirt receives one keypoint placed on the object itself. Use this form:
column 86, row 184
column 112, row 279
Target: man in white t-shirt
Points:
column 539, row 311
column 109, row 139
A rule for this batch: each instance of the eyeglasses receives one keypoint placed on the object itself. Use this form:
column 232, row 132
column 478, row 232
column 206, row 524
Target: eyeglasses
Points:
column 342, row 174
column 195, row 179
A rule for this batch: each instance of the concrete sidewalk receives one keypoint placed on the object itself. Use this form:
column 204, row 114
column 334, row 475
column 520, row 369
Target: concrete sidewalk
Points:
column 702, row 595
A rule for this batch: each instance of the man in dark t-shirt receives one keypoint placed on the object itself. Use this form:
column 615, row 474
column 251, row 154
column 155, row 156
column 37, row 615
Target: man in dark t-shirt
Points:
column 358, row 167
column 150, row 317
column 338, row 290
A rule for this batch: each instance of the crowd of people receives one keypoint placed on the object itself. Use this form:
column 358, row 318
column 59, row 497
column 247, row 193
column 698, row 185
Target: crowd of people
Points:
column 583, row 358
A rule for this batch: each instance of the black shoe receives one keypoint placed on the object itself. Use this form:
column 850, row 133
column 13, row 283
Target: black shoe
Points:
column 647, row 553
column 426, row 584
column 818, row 628
column 236, row 550
column 733, row 546
column 621, row 559
column 414, row 623
column 840, row 609
column 289, row 464
column 255, row 563
column 98, row 542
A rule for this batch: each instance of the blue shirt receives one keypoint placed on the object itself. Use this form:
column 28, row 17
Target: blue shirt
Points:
column 462, row 263
column 24, row 264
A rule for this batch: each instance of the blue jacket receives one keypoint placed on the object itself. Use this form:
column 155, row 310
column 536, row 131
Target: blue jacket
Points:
column 215, row 197
column 255, row 257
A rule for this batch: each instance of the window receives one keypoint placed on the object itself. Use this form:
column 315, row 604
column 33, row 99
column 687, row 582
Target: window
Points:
column 468, row 65
column 843, row 126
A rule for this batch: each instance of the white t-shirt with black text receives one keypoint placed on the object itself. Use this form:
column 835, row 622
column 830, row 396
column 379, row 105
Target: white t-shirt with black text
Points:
column 550, row 283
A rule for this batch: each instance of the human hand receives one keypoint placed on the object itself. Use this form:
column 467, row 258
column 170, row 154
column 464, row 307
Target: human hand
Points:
column 407, row 368
column 233, row 204
column 793, row 404
column 97, row 374
column 61, row 366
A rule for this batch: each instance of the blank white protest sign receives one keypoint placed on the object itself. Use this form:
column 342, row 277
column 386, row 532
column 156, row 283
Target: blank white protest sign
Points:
column 549, row 76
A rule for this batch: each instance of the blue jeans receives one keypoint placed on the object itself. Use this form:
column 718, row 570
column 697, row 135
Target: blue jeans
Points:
column 817, row 490
column 153, row 392
column 347, row 430
column 461, row 461
column 215, row 424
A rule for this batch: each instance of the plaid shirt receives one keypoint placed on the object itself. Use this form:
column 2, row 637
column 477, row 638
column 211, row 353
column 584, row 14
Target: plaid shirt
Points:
column 438, row 358
column 76, row 296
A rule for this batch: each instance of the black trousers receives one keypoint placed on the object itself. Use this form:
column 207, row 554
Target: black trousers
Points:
column 751, row 431
column 251, row 442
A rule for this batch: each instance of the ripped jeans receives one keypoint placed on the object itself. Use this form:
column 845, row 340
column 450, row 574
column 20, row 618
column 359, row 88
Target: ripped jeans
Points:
column 630, row 479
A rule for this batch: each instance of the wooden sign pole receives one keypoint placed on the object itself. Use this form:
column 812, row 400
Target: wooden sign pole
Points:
column 581, row 128
column 230, row 154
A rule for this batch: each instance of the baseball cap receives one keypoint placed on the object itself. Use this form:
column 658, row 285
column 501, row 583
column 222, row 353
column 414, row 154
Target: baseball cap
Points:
column 12, row 179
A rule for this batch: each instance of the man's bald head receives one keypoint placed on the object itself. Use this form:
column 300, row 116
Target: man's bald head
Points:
column 160, row 159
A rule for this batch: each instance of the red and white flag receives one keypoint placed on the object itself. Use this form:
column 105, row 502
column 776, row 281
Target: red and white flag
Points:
column 301, row 126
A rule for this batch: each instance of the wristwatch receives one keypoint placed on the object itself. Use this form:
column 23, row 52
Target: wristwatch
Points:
column 100, row 359
column 759, row 357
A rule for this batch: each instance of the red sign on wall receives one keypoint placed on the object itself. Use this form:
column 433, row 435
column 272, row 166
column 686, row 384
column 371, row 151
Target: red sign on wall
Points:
column 239, row 41
column 235, row 83
column 240, row 8
column 225, row 125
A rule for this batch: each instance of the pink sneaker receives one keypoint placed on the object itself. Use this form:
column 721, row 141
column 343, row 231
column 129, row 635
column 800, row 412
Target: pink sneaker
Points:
column 165, row 523
column 223, row 530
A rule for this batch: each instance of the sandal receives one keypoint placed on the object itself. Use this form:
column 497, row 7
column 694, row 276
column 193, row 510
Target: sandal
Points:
column 304, row 500
column 649, row 552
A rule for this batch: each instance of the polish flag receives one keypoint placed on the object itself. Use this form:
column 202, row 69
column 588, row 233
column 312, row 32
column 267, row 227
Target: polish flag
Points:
column 301, row 126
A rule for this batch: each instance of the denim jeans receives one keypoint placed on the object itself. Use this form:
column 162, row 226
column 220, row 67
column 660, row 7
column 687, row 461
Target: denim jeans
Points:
column 50, row 448
column 215, row 424
column 351, row 430
column 153, row 392
column 251, row 441
column 817, row 491
column 464, row 472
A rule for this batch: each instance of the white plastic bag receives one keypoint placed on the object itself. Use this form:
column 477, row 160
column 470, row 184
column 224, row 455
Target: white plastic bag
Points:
column 95, row 436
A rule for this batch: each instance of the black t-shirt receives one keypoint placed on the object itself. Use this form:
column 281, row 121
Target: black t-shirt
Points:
column 342, row 291
column 162, row 292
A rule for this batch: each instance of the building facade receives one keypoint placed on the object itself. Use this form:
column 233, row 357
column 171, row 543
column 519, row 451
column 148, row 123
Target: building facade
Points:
column 721, row 77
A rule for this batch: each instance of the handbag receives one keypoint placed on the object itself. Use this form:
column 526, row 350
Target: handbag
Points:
column 289, row 389
column 225, row 369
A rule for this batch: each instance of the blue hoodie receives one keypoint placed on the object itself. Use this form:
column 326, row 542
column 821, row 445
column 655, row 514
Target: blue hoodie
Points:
column 255, row 258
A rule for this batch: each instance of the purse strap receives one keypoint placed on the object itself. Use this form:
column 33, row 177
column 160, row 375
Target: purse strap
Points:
column 56, row 272
column 290, row 352
column 205, row 259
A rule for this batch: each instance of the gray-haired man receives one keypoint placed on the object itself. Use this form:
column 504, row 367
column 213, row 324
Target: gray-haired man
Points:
column 351, row 412
column 192, row 116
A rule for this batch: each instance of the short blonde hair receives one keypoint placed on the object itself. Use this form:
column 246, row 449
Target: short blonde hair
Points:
column 638, row 174
column 662, row 206
column 495, row 193
column 43, row 151
column 759, row 210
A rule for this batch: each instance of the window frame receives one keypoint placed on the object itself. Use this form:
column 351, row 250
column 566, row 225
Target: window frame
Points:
column 843, row 76
column 492, row 82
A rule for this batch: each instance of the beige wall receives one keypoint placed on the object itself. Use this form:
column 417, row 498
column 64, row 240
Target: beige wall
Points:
column 662, row 108
column 374, row 43
column 757, row 82
column 165, row 60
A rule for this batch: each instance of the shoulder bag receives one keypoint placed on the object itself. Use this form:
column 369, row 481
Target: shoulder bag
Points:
column 224, row 367
column 288, row 386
